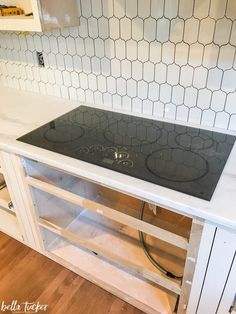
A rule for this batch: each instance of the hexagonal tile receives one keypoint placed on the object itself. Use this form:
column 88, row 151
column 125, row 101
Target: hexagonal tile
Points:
column 96, row 8
column 75, row 80
column 218, row 101
column 106, row 66
column 126, row 69
column 114, row 27
column 231, row 9
column 208, row 117
column 102, row 83
column 160, row 73
column 96, row 65
column 137, row 70
column 190, row 96
column 200, row 77
column 226, row 57
column 137, row 105
column 214, row 79
column 222, row 120
column 111, row 85
column 210, row 56
column 178, row 95
column 186, row 75
column 92, row 82
column 182, row 113
column 168, row 52
column 132, row 88
column 195, row 115
column 173, row 73
column 89, row 47
column 148, row 71
column 181, row 54
column 115, row 67
column 121, row 86
column 229, row 79
column 99, row 47
column 195, row 54
column 163, row 30
column 119, row 8
column 185, row 9
column 131, row 8
column 149, row 29
column 86, row 64
column 153, row 91
column 165, row 93
column 110, row 48
column 142, row 90
column 204, row 99
column 103, row 27
column 217, row 9
column 77, row 62
column 201, row 8
column 191, row 30
column 144, row 8
column 232, row 123
column 170, row 111
column 171, row 8
column 230, row 103
column 70, row 43
column 120, row 49
column 80, row 48
column 132, row 49
column 155, row 52
column 206, row 31
column 93, row 27
column 126, row 103
column 157, row 8
column 222, row 31
column 137, row 28
column 147, row 107
column 125, row 28
column 158, row 109
column 177, row 30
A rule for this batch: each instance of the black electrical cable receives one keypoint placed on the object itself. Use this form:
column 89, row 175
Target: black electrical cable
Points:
column 149, row 255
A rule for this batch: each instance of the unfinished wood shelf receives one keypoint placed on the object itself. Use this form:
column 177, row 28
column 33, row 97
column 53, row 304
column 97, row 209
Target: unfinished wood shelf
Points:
column 120, row 245
column 81, row 221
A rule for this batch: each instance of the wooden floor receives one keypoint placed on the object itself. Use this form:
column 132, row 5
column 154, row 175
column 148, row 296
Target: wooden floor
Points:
column 26, row 275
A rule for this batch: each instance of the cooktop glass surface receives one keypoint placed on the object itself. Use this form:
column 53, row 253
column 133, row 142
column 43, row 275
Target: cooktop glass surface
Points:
column 185, row 159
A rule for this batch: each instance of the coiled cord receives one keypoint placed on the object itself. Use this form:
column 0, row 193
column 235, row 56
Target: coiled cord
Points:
column 149, row 255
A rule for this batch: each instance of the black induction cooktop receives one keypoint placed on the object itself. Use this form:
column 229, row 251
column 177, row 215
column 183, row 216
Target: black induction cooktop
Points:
column 182, row 158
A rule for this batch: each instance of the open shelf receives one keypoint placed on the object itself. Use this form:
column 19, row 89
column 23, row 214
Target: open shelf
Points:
column 95, row 231
column 120, row 245
column 142, row 294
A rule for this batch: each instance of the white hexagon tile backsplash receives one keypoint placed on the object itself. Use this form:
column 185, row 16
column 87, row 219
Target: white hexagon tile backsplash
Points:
column 167, row 58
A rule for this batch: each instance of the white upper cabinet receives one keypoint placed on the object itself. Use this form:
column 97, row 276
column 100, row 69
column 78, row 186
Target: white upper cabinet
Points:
column 46, row 15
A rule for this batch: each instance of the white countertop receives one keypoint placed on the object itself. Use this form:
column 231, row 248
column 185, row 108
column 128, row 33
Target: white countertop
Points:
column 21, row 112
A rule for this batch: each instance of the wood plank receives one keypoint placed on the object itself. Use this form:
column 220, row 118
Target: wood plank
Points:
column 162, row 234
column 149, row 298
column 118, row 260
column 192, row 254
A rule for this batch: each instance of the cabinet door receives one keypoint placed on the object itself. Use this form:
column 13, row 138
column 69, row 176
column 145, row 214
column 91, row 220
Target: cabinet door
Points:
column 217, row 292
column 228, row 301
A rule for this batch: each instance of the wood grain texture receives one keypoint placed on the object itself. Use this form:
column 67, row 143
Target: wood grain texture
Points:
column 26, row 275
